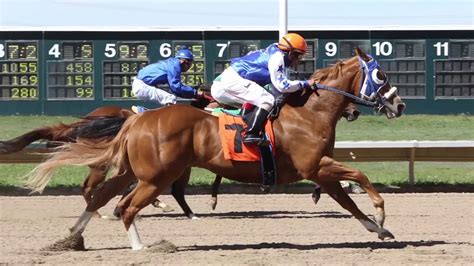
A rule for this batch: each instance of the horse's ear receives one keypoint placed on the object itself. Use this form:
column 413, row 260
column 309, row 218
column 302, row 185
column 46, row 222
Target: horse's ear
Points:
column 362, row 54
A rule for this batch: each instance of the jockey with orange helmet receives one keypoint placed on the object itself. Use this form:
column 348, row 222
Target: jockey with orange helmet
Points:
column 165, row 72
column 243, row 81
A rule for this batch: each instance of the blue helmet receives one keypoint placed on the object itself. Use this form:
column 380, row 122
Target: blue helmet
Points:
column 184, row 54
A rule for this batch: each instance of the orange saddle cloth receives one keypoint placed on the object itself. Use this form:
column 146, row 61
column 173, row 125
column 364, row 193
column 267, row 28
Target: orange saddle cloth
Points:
column 230, row 131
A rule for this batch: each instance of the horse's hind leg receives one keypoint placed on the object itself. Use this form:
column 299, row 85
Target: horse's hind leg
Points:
column 149, row 186
column 335, row 190
column 96, row 176
column 103, row 194
column 156, row 203
column 143, row 194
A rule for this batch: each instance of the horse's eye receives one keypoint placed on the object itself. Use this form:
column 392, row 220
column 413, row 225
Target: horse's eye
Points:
column 381, row 75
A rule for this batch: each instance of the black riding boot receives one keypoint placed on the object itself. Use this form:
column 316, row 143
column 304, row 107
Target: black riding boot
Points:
column 247, row 114
column 255, row 126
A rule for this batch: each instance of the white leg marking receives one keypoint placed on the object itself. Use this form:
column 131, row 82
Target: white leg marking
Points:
column 134, row 238
column 81, row 224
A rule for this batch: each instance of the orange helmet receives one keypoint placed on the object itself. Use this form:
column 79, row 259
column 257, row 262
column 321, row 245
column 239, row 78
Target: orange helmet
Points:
column 293, row 42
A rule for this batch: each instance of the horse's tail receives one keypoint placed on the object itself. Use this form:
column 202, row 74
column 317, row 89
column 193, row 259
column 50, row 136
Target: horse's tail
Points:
column 56, row 133
column 106, row 153
column 53, row 133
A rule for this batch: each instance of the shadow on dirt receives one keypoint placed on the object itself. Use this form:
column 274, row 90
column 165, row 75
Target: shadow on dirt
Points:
column 285, row 245
column 256, row 215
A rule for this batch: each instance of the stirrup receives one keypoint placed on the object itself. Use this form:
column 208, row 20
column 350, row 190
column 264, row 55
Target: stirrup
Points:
column 259, row 141
column 251, row 139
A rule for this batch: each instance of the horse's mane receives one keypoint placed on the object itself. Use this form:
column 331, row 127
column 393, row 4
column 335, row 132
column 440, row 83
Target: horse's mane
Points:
column 331, row 72
column 327, row 73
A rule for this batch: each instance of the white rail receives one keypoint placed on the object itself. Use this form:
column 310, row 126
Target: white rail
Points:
column 411, row 151
column 353, row 151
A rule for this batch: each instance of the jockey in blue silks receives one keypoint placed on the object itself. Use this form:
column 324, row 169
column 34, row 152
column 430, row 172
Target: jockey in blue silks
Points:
column 244, row 80
column 165, row 72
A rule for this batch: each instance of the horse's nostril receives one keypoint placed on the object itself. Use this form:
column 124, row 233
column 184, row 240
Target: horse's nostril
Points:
column 400, row 108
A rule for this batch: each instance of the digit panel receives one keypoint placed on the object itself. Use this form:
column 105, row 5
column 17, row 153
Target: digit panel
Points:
column 19, row 70
column 234, row 49
column 118, row 72
column 307, row 65
column 345, row 50
column 454, row 77
column 72, row 76
column 196, row 73
column 407, row 69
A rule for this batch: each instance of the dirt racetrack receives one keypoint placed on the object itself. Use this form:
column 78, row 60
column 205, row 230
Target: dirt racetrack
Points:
column 435, row 228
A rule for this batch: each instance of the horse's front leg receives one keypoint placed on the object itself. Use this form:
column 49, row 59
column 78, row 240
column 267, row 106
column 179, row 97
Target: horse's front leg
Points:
column 178, row 191
column 215, row 191
column 332, row 171
column 335, row 190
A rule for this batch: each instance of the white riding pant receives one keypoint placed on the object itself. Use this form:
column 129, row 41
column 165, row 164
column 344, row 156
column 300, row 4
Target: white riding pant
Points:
column 149, row 93
column 231, row 89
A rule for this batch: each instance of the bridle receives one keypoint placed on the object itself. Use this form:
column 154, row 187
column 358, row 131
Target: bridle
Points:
column 369, row 88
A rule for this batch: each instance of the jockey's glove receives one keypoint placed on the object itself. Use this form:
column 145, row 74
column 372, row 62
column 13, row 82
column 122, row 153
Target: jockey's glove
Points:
column 200, row 94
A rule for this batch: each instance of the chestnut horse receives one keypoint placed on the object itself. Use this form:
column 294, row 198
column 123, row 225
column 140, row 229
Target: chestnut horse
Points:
column 62, row 133
column 159, row 147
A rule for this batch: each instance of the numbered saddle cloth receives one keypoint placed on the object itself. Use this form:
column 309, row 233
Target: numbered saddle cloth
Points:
column 230, row 131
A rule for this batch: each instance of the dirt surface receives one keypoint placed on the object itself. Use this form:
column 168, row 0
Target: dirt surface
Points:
column 430, row 229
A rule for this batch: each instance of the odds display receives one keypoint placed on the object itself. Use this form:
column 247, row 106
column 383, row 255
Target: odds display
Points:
column 19, row 76
column 59, row 72
column 124, row 61
column 70, row 71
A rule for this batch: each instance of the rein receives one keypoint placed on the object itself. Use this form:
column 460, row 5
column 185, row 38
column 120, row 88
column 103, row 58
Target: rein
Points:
column 355, row 99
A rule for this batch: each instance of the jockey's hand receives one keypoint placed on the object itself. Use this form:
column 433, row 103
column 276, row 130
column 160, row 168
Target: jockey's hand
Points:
column 200, row 94
column 312, row 84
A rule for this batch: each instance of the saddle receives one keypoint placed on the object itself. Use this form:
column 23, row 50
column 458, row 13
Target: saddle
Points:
column 231, row 127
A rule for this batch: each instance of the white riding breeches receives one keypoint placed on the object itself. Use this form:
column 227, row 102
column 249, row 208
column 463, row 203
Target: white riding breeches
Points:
column 149, row 93
column 231, row 89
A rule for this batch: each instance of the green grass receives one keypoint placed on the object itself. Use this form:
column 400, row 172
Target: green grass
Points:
column 410, row 127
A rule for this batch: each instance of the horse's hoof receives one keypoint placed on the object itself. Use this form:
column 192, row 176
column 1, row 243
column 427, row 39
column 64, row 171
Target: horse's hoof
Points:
column 356, row 189
column 98, row 215
column 213, row 203
column 166, row 208
column 316, row 195
column 384, row 234
column 163, row 206
column 138, row 247
column 193, row 216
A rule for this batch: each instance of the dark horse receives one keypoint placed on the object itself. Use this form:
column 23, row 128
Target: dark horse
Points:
column 159, row 147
